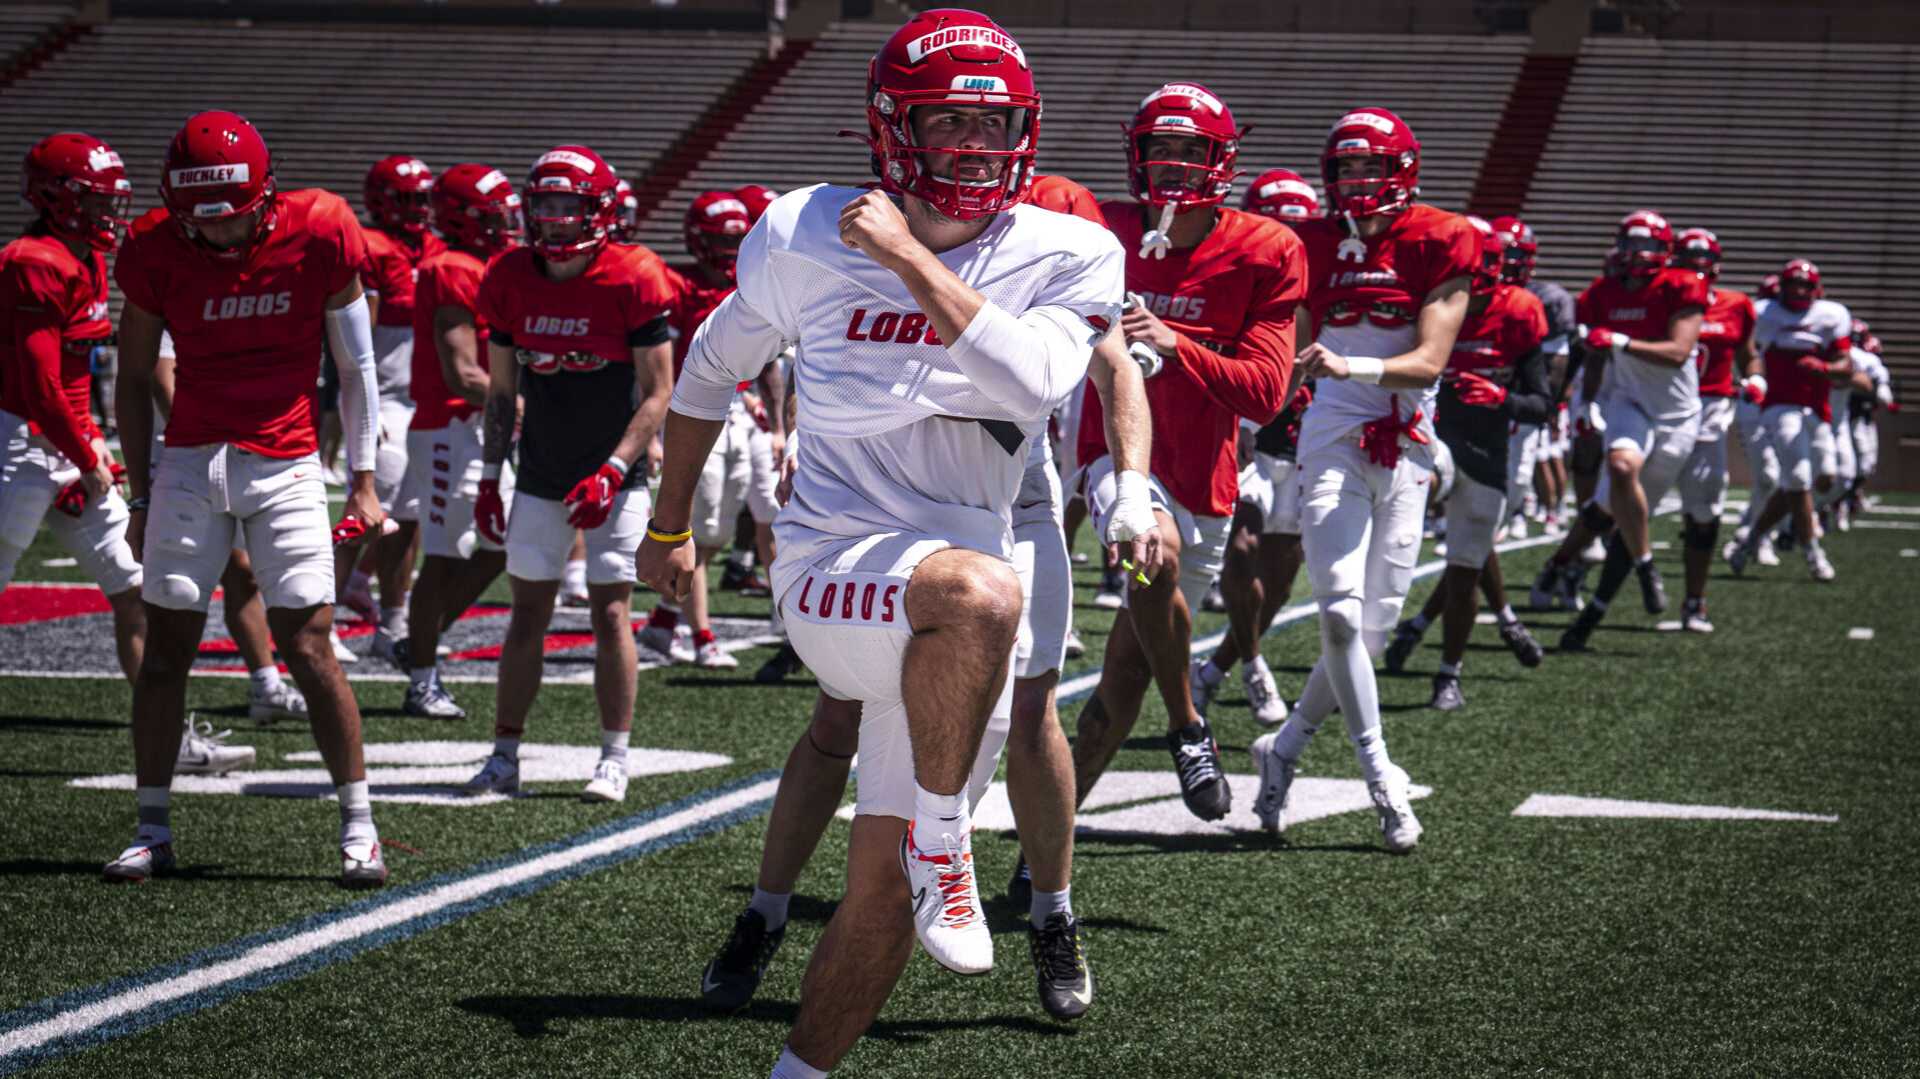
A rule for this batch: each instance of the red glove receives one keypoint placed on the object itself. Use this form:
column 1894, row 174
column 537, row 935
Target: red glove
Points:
column 1604, row 339
column 490, row 513
column 72, row 499
column 1811, row 365
column 1754, row 389
column 349, row 531
column 1478, row 390
column 1381, row 438
column 592, row 498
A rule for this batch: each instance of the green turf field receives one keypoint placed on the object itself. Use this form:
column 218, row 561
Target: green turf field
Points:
column 1506, row 945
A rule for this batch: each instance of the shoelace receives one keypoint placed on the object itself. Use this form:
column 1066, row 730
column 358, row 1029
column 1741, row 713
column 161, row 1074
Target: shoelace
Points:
column 610, row 770
column 746, row 951
column 953, row 878
column 1257, row 692
column 200, row 733
column 1196, row 765
column 1057, row 951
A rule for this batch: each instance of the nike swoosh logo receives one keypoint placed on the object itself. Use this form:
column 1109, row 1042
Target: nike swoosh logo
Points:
column 919, row 898
column 707, row 982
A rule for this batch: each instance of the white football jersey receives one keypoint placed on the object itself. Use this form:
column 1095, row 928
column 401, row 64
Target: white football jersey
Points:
column 892, row 443
column 1811, row 331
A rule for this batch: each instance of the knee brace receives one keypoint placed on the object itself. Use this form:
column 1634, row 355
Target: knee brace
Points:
column 298, row 591
column 1340, row 618
column 1597, row 520
column 1700, row 535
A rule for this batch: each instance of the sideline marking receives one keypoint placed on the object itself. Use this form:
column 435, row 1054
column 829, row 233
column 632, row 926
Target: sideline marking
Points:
column 1573, row 805
column 1860, row 633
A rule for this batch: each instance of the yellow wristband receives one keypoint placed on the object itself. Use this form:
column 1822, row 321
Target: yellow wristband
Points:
column 668, row 537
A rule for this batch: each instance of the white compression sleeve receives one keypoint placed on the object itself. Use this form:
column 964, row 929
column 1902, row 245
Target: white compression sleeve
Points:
column 350, row 333
column 1027, row 365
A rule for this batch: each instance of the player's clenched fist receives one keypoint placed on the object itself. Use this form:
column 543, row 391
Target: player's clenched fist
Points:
column 667, row 568
column 1319, row 361
column 873, row 224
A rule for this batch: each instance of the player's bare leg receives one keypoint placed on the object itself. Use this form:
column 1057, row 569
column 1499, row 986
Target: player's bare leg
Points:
column 1279, row 561
column 965, row 610
column 129, row 630
column 302, row 637
column 811, row 787
column 1242, row 586
column 246, row 614
column 1040, row 782
column 1461, row 588
column 445, row 589
column 1628, row 502
column 160, row 691
column 523, row 655
column 615, row 677
column 393, row 559
column 1126, row 671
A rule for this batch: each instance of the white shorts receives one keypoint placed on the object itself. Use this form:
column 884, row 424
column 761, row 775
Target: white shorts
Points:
column 1663, row 447
column 1525, row 448
column 724, row 481
column 1360, row 527
column 1749, row 425
column 1046, row 573
column 1273, row 484
column 1802, row 444
column 1844, row 464
column 1703, row 478
column 539, row 537
column 1866, row 445
column 390, row 460
column 847, row 617
column 448, row 462
column 765, row 482
column 1474, row 513
column 31, row 476
column 208, row 500
column 1203, row 540
column 1068, row 418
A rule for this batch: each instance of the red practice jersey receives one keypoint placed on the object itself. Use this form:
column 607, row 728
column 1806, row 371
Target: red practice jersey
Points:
column 1509, row 330
column 1063, row 196
column 1784, row 337
column 53, row 311
column 692, row 303
column 393, row 268
column 246, row 335
column 1728, row 325
column 1231, row 300
column 449, row 279
column 1647, row 313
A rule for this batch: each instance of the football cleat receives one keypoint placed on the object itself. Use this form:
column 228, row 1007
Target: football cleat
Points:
column 280, row 701
column 1066, row 984
column 1737, row 555
column 1693, row 616
column 139, row 863
column 756, row 584
column 784, row 663
column 1446, row 694
column 204, row 752
column 430, row 700
column 341, row 653
column 500, row 775
column 1765, row 553
column 1818, row 566
column 1112, row 584
column 1517, row 527
column 675, row 642
column 1521, row 643
column 1196, row 760
column 1263, row 696
column 394, row 650
column 1075, row 646
column 1594, row 552
column 1398, row 826
column 1653, row 591
column 1213, row 601
column 1545, row 593
column 732, row 977
column 1575, row 638
column 1020, row 888
column 712, row 658
column 1197, row 688
column 609, row 782
column 1405, row 640
column 361, row 865
column 358, row 598
column 946, row 902
column 734, row 575
column 1276, row 780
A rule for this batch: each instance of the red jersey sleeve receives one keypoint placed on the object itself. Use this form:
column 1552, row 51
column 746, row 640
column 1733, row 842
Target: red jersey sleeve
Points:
column 1451, row 252
column 132, row 271
column 1253, row 381
column 344, row 243
column 460, row 287
column 1527, row 328
column 39, row 301
column 654, row 296
column 489, row 298
column 1583, row 307
column 1684, row 291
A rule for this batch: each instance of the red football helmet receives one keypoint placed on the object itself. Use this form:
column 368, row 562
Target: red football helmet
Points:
column 1769, row 288
column 1872, row 344
column 80, row 188
column 399, row 194
column 757, row 197
column 1643, row 244
column 716, row 223
column 1190, row 110
column 1379, row 135
column 217, row 168
column 572, row 208
column 1283, row 195
column 475, row 207
column 626, row 226
column 1699, row 250
column 953, row 58
column 1486, row 272
column 1519, row 251
column 1800, row 285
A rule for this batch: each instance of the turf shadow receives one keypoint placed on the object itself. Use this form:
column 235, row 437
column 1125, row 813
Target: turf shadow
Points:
column 1235, row 843
column 47, row 867
column 533, row 1016
column 800, row 908
column 54, row 723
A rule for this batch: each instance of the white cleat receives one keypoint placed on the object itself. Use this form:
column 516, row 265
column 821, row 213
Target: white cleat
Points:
column 946, row 902
column 1765, row 554
column 282, row 701
column 139, row 863
column 712, row 658
column 430, row 700
column 1263, row 696
column 341, row 652
column 1197, row 687
column 206, row 753
column 609, row 782
column 1075, row 646
column 1736, row 556
column 676, row 644
column 1398, row 826
column 1594, row 552
column 1818, row 565
column 1276, row 781
column 361, row 865
column 500, row 775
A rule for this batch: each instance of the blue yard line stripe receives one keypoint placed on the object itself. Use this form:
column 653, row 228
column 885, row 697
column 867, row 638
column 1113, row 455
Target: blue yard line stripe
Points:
column 138, row 1019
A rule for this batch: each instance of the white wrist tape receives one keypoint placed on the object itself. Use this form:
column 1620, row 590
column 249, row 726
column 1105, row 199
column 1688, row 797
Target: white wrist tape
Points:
column 350, row 333
column 1132, row 511
column 1365, row 369
column 618, row 465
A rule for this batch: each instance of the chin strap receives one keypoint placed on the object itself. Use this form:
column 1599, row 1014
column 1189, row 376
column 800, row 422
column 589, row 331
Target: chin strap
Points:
column 1156, row 242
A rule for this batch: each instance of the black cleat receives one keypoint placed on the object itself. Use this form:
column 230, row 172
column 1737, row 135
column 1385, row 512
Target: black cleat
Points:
column 1575, row 638
column 730, row 979
column 1405, row 640
column 1066, row 985
column 1196, row 759
column 785, row 662
column 734, row 575
column 1020, row 888
column 1693, row 615
column 1521, row 643
column 1653, row 591
column 1446, row 694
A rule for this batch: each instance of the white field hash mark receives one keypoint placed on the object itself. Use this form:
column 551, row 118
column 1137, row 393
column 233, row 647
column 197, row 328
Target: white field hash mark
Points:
column 1860, row 633
column 1573, row 805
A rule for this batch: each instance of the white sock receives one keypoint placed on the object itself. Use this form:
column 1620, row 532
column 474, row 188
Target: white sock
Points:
column 771, row 905
column 1046, row 904
column 1294, row 735
column 394, row 621
column 792, row 1067
column 613, row 744
column 574, row 577
column 266, row 679
column 152, row 807
column 1211, row 674
column 934, row 814
column 1257, row 668
column 506, row 747
column 421, row 676
column 1450, row 668
column 356, row 813
column 1505, row 615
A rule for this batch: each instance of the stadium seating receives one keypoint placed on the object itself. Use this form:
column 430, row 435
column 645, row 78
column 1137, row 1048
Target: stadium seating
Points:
column 332, row 99
column 22, row 25
column 1783, row 150
column 1287, row 87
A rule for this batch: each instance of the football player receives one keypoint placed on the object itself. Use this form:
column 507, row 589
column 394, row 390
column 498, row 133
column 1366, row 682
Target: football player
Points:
column 1640, row 379
column 1496, row 379
column 1537, row 453
column 1726, row 347
column 894, row 572
column 626, row 223
column 577, row 329
column 1873, row 390
column 1389, row 294
column 1216, row 290
column 1263, row 555
column 1761, row 460
column 1832, row 504
column 1805, row 346
column 247, row 280
column 478, row 212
